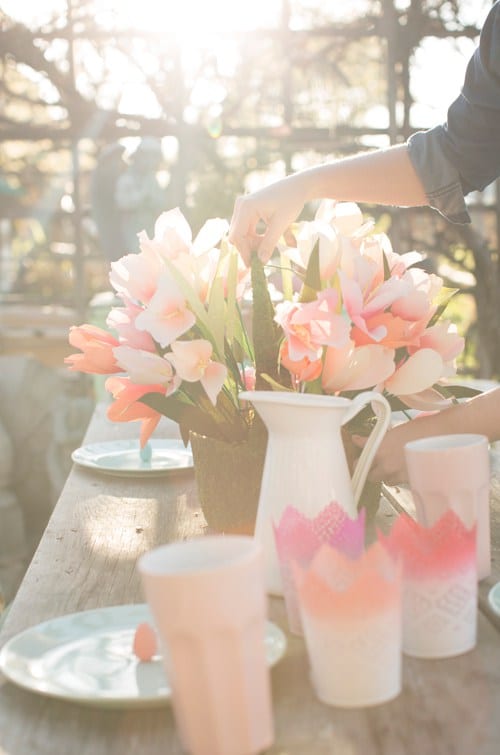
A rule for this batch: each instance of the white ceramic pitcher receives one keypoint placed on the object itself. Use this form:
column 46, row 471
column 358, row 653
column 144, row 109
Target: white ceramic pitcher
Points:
column 306, row 465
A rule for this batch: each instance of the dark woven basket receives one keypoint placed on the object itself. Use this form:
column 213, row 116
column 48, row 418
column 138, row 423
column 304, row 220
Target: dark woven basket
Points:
column 228, row 477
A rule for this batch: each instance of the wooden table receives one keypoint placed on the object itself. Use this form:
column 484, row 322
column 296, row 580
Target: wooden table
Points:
column 87, row 558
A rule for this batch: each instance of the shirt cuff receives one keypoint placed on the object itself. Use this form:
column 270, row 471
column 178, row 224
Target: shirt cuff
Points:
column 439, row 177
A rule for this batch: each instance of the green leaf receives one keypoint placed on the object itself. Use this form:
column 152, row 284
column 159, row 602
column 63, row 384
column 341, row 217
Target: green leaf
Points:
column 243, row 337
column 286, row 277
column 232, row 314
column 275, row 385
column 216, row 314
column 298, row 270
column 233, row 366
column 192, row 299
column 387, row 269
column 456, row 391
column 442, row 301
column 314, row 386
column 188, row 416
column 312, row 282
column 266, row 333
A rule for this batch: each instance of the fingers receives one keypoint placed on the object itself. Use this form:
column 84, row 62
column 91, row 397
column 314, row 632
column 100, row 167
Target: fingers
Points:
column 243, row 229
column 386, row 467
column 270, row 238
column 247, row 215
column 270, row 207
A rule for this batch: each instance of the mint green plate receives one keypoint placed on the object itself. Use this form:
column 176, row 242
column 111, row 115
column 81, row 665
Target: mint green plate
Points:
column 122, row 458
column 87, row 658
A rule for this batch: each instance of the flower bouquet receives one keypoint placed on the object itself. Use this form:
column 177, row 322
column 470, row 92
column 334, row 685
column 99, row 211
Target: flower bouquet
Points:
column 336, row 311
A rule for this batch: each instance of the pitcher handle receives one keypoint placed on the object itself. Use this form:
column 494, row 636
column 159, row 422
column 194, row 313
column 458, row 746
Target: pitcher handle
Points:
column 374, row 439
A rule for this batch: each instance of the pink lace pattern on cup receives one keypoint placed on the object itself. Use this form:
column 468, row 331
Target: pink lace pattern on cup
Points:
column 439, row 585
column 298, row 538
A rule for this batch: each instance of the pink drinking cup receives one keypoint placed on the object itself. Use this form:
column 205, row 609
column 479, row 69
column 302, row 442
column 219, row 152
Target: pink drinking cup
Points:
column 453, row 472
column 207, row 598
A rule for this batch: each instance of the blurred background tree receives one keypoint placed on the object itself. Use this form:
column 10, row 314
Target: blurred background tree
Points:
column 237, row 95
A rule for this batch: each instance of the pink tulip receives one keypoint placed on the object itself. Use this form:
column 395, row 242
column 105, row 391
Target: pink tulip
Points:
column 209, row 235
column 173, row 236
column 122, row 320
column 135, row 276
column 427, row 401
column 355, row 368
column 397, row 332
column 197, row 260
column 248, row 377
column 345, row 217
column 308, row 327
column 442, row 339
column 97, row 356
column 414, row 306
column 127, row 406
column 399, row 263
column 377, row 247
column 415, row 374
column 192, row 361
column 307, row 235
column 145, row 368
column 365, row 262
column 304, row 369
column 368, row 313
column 167, row 316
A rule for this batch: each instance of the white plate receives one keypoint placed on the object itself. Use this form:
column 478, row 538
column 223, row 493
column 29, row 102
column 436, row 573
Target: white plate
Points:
column 122, row 457
column 494, row 598
column 87, row 658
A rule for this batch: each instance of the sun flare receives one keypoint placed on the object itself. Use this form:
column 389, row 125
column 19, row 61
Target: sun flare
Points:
column 194, row 22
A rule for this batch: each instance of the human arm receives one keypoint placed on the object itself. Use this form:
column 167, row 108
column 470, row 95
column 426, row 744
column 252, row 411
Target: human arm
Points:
column 463, row 154
column 436, row 168
column 480, row 415
column 384, row 177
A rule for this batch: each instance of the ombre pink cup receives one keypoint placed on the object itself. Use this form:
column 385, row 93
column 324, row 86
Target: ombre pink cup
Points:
column 453, row 472
column 207, row 598
column 439, row 585
column 351, row 614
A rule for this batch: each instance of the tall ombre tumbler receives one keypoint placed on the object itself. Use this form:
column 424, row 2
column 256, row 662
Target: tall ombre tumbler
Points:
column 453, row 472
column 439, row 585
column 351, row 614
column 207, row 598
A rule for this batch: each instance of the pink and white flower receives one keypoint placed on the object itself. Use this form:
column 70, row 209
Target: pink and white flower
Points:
column 167, row 315
column 371, row 323
column 310, row 326
column 135, row 276
column 127, row 405
column 356, row 368
column 122, row 320
column 145, row 368
column 192, row 361
column 421, row 370
column 96, row 346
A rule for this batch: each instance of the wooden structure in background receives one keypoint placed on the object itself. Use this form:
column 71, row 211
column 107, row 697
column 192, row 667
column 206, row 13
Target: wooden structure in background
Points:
column 297, row 57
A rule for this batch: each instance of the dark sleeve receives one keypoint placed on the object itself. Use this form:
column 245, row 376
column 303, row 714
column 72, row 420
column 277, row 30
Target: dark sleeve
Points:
column 463, row 154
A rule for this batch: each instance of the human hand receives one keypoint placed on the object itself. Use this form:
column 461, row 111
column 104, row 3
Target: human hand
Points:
column 389, row 463
column 277, row 206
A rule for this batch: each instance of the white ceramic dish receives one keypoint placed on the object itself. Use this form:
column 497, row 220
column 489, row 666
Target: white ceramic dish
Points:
column 123, row 458
column 494, row 598
column 87, row 658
